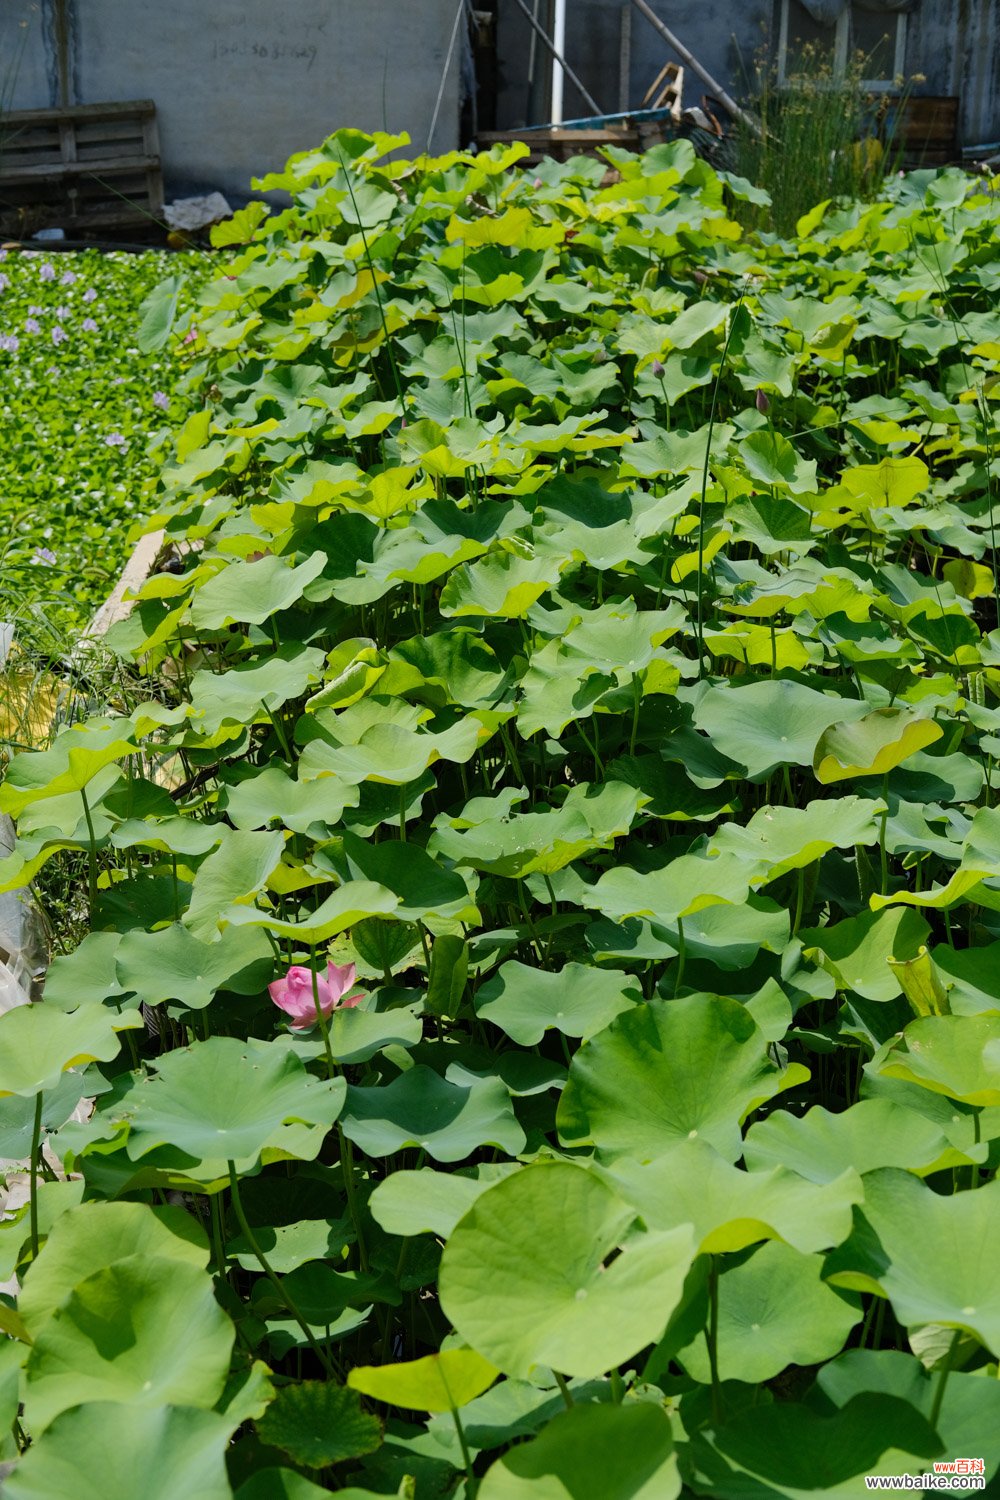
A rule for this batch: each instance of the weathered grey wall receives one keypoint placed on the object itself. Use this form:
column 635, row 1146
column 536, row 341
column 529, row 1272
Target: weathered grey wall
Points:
column 240, row 85
column 954, row 44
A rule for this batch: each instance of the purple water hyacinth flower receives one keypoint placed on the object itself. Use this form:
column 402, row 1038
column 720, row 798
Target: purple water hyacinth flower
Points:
column 35, row 311
column 48, row 271
column 67, row 278
column 9, row 342
column 62, row 313
column 3, row 255
column 115, row 440
column 90, row 295
column 45, row 556
column 161, row 399
column 32, row 325
column 88, row 325
column 59, row 335
column 4, row 282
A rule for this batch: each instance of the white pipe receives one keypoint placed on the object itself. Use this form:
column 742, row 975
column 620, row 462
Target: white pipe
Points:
column 558, row 46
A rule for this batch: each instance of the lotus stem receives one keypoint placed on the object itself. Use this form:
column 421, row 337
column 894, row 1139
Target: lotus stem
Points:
column 36, row 1147
column 286, row 1300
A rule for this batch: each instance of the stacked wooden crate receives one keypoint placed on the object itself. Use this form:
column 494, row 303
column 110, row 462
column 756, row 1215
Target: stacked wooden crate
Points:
column 91, row 166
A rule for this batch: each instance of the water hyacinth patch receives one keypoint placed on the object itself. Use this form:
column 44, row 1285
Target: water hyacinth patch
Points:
column 56, row 471
column 542, row 1019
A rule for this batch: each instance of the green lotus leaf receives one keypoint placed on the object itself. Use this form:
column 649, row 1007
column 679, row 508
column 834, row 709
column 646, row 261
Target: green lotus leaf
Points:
column 549, row 1298
column 272, row 797
column 348, row 905
column 288, row 1484
column 731, row 1209
column 356, row 1034
column 105, row 1450
column 420, row 1108
column 500, row 586
column 141, row 1331
column 288, row 1246
column 77, row 756
column 668, row 1071
column 772, row 461
column 88, row 1237
column 171, row 965
column 969, row 1420
column 318, row 1423
column 249, row 692
column 170, row 835
column 250, row 592
column 872, row 746
column 775, row 1310
column 87, row 976
column 426, row 888
column 870, row 1134
column 323, row 1296
column 942, row 1273
column 231, row 877
column 968, row 977
column 685, row 886
column 383, row 946
column 894, row 481
column 764, row 725
column 393, row 753
column 859, row 951
column 17, row 1111
column 591, row 1453
column 545, row 840
column 38, row 1044
column 728, row 936
column 577, row 1000
column 224, row 1100
column 429, row 1202
column 784, row 1448
column 779, row 839
column 954, row 1055
column 439, row 1382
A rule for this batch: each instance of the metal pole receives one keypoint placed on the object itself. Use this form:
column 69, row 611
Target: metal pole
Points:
column 696, row 67
column 558, row 72
column 547, row 42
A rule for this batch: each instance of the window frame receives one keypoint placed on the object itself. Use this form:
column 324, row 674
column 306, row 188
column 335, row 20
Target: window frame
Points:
column 841, row 49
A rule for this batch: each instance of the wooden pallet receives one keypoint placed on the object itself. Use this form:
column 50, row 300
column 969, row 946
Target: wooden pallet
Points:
column 91, row 166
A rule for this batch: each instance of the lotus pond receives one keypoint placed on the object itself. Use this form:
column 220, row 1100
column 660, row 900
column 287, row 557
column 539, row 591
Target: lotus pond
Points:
column 541, row 1001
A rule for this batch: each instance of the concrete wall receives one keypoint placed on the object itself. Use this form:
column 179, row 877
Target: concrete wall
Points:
column 239, row 85
column 954, row 44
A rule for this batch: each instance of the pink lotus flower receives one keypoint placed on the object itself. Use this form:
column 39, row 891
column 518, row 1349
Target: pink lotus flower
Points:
column 297, row 993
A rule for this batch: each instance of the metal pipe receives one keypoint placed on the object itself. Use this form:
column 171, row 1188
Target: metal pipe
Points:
column 696, row 67
column 546, row 41
column 558, row 72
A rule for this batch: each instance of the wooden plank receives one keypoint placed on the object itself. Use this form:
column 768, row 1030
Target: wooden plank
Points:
column 109, row 111
column 117, row 607
column 112, row 167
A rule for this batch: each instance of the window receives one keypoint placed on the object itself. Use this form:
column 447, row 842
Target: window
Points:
column 879, row 35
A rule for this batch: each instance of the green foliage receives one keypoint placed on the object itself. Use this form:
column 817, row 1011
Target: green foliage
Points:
column 596, row 759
